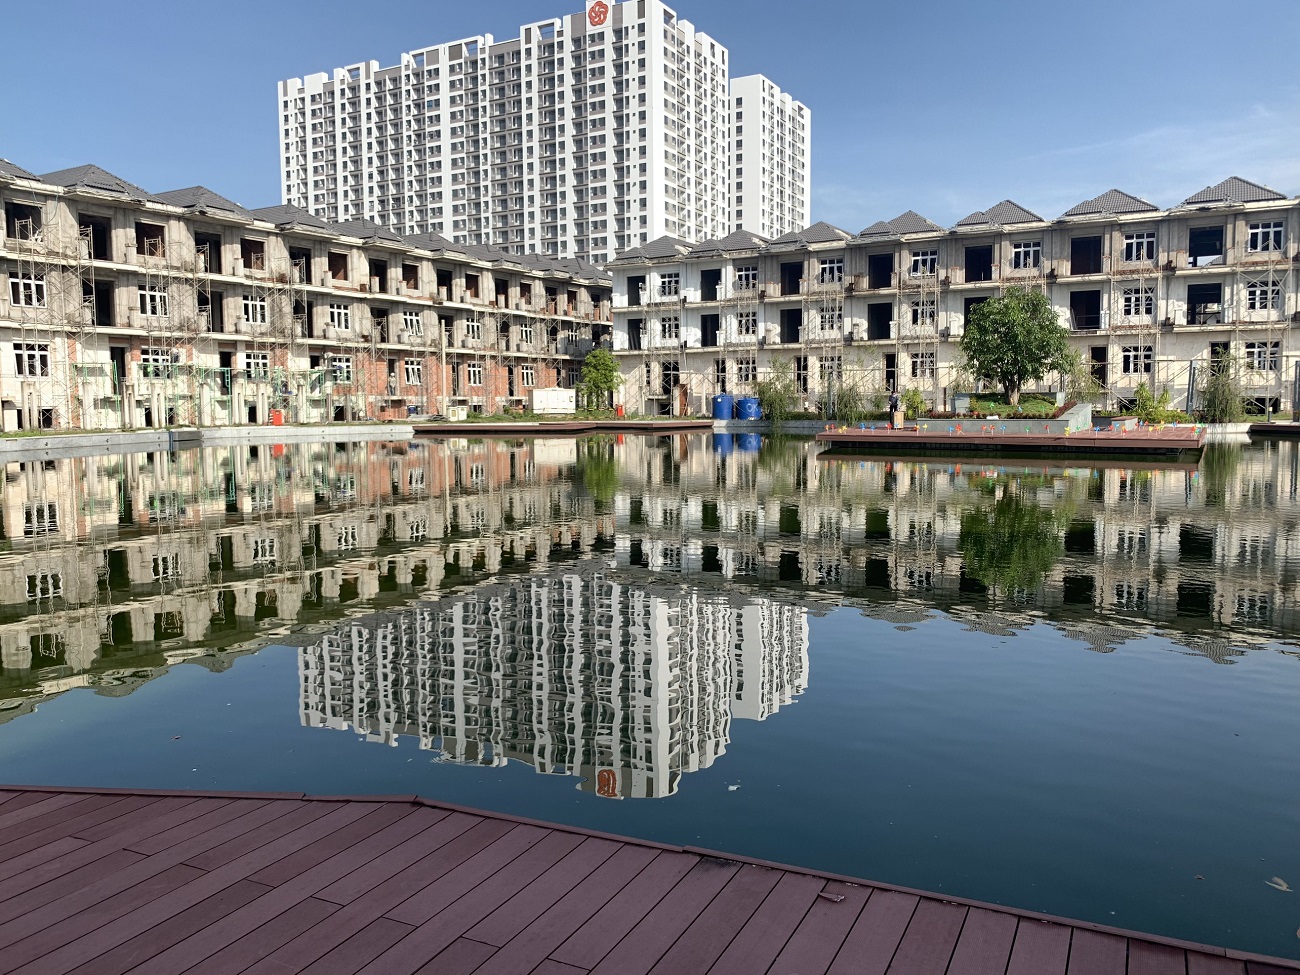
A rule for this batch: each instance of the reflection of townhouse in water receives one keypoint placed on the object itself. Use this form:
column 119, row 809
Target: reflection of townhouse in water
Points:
column 1179, row 544
column 139, row 560
column 626, row 684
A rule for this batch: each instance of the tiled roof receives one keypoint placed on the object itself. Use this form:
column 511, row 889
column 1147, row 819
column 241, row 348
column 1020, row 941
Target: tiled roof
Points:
column 1112, row 202
column 287, row 215
column 203, row 199
column 912, row 222
column 740, row 240
column 432, row 242
column 16, row 172
column 660, row 247
column 91, row 177
column 1234, row 189
column 819, row 233
column 878, row 230
column 1003, row 214
column 366, row 230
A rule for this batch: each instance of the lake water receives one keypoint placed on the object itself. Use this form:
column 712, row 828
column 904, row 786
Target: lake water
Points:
column 1068, row 689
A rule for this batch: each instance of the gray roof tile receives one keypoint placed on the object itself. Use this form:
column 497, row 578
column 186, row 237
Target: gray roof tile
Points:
column 1111, row 203
column 287, row 215
column 91, row 177
column 365, row 230
column 1234, row 189
column 14, row 171
column 201, row 198
column 740, row 240
column 1003, row 214
column 819, row 233
column 912, row 222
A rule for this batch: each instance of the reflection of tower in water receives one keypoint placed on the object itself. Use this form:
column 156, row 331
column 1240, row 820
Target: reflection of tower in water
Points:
column 627, row 687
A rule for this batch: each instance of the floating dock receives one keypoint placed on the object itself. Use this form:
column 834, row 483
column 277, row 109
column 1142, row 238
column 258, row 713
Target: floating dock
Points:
column 105, row 882
column 560, row 428
column 949, row 439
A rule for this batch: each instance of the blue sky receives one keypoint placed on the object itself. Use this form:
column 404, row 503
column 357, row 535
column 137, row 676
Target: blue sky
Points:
column 943, row 107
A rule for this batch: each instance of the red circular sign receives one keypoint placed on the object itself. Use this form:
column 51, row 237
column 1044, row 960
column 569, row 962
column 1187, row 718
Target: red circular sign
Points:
column 598, row 13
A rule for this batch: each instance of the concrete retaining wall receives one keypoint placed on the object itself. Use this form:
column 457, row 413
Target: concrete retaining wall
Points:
column 187, row 438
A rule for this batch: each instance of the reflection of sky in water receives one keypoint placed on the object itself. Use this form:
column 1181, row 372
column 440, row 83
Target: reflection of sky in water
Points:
column 911, row 642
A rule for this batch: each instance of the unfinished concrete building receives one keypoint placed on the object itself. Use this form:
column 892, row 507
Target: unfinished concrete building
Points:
column 126, row 309
column 1146, row 296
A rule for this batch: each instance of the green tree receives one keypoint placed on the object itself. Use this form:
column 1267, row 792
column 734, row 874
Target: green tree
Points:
column 1014, row 339
column 600, row 378
column 1221, row 400
column 779, row 392
column 1011, row 546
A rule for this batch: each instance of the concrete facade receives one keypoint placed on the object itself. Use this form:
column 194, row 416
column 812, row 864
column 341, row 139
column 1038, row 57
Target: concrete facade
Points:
column 127, row 309
column 1146, row 296
column 584, row 135
column 771, row 158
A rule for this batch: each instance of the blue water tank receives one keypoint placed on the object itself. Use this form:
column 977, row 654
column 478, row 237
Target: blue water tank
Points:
column 749, row 442
column 723, row 444
column 723, row 406
column 747, row 408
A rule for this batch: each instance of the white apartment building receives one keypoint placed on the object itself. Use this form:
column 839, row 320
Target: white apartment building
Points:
column 584, row 136
column 771, row 162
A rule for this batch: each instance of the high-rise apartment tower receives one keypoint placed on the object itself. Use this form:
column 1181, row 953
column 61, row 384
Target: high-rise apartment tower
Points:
column 585, row 135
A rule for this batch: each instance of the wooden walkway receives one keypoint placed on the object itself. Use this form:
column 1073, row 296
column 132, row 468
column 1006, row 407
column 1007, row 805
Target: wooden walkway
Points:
column 102, row 882
column 970, row 436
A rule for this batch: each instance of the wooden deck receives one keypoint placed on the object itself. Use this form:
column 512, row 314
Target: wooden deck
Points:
column 560, row 428
column 950, row 438
column 103, row 882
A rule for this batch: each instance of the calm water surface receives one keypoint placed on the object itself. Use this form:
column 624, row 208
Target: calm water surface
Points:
column 1072, row 690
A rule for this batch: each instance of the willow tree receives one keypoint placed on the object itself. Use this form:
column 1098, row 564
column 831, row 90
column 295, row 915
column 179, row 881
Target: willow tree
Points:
column 1014, row 339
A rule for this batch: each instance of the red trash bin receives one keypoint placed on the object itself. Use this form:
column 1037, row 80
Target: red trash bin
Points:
column 277, row 418
column 618, row 410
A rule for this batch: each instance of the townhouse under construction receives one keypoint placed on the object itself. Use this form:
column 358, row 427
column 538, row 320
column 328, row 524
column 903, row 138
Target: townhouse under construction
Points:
column 127, row 309
column 1146, row 295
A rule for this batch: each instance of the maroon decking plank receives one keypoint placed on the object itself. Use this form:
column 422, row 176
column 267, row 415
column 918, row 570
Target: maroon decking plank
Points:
column 874, row 937
column 545, row 892
column 314, row 942
column 59, row 822
column 149, row 808
column 597, row 938
column 279, row 899
column 655, row 933
column 1147, row 958
column 1199, row 963
column 1041, row 948
column 529, row 938
column 461, row 957
column 109, row 814
column 984, row 947
column 271, row 936
column 1096, row 953
column 44, row 864
column 187, row 827
column 52, row 949
column 437, row 830
column 125, row 957
column 146, row 916
column 545, row 850
column 67, row 883
column 24, row 800
column 703, row 943
column 815, row 943
column 433, row 936
column 766, row 933
column 1264, row 968
column 120, row 884
column 20, row 864
column 304, row 860
column 929, row 940
column 376, row 938
column 553, row 967
column 40, row 811
column 307, row 813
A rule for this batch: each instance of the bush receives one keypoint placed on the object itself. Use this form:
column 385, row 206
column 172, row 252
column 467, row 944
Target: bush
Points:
column 1221, row 399
column 913, row 403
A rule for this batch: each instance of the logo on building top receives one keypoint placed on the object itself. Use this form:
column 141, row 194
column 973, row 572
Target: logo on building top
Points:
column 597, row 13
